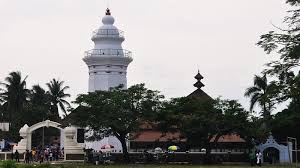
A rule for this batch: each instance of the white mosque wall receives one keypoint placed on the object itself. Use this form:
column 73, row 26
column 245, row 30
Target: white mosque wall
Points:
column 111, row 140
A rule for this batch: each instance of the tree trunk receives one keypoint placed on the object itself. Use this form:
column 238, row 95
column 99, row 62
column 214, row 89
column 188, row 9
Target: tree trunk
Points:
column 266, row 116
column 207, row 158
column 124, row 148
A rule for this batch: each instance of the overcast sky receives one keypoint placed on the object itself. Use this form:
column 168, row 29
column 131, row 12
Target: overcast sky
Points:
column 170, row 41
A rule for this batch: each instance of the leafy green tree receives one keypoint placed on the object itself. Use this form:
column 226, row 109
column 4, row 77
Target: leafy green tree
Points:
column 288, row 119
column 263, row 94
column 286, row 123
column 14, row 94
column 234, row 118
column 57, row 96
column 286, row 43
column 202, row 122
column 38, row 95
column 37, row 108
column 1, row 97
column 117, row 112
column 293, row 2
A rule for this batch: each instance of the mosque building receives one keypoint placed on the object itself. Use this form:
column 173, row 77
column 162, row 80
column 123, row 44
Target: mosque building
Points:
column 107, row 64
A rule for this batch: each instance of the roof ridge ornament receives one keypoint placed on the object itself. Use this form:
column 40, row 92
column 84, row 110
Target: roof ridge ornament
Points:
column 198, row 76
column 199, row 84
column 107, row 12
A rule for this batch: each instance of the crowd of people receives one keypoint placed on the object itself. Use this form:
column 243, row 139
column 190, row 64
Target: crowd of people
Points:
column 40, row 155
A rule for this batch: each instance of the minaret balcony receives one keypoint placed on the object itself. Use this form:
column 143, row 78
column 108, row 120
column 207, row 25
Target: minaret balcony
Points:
column 108, row 52
column 114, row 33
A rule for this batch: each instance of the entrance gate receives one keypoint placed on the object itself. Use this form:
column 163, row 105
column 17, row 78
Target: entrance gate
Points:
column 72, row 150
column 284, row 152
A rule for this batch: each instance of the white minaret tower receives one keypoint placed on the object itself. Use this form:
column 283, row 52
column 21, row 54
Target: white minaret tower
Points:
column 107, row 62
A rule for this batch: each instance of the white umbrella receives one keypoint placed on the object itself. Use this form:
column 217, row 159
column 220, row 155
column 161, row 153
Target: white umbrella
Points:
column 158, row 150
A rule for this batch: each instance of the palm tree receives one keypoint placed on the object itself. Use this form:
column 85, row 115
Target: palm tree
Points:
column 262, row 94
column 14, row 94
column 38, row 95
column 57, row 97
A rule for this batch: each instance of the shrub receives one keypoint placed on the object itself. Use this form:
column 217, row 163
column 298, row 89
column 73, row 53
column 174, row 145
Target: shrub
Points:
column 8, row 164
column 27, row 166
column 47, row 165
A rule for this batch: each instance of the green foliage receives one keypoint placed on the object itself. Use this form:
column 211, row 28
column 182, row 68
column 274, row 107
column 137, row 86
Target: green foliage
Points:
column 293, row 2
column 264, row 94
column 28, row 166
column 288, row 119
column 285, row 42
column 9, row 164
column 14, row 93
column 20, row 105
column 57, row 97
column 47, row 165
column 201, row 122
column 117, row 112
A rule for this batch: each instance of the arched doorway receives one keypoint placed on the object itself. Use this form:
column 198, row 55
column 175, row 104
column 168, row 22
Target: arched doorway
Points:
column 73, row 151
column 46, row 124
column 46, row 137
column 271, row 155
column 26, row 134
column 280, row 153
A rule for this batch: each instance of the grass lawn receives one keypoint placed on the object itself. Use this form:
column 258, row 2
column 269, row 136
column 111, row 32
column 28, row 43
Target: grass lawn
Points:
column 11, row 164
column 153, row 166
column 168, row 166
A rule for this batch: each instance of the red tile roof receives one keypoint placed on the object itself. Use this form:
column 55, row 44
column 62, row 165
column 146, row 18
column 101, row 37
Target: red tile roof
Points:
column 152, row 136
column 229, row 138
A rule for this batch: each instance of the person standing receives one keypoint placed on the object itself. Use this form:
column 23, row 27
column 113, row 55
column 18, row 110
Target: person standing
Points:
column 17, row 156
column 41, row 156
column 27, row 156
column 258, row 158
column 252, row 158
column 33, row 155
column 46, row 153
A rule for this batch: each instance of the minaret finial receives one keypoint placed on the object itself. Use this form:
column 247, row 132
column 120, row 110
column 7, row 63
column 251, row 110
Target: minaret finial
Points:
column 107, row 12
column 198, row 77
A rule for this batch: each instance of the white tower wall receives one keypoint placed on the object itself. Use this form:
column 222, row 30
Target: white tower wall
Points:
column 107, row 62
